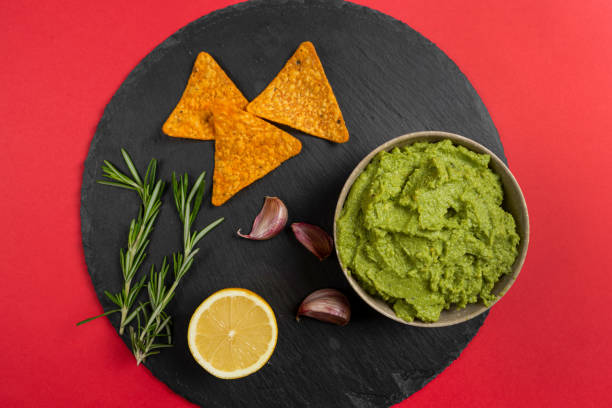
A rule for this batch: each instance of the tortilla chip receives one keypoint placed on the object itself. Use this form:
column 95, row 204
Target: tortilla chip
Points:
column 300, row 96
column 208, row 83
column 246, row 149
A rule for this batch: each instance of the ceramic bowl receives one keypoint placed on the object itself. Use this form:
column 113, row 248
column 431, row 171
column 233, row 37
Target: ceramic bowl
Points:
column 514, row 203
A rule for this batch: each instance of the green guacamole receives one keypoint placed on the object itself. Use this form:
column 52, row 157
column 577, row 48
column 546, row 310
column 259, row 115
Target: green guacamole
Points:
column 423, row 229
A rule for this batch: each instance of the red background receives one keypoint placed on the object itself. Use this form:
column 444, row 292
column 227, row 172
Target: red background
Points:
column 542, row 69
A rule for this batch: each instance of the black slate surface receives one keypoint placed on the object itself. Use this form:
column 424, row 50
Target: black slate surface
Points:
column 389, row 80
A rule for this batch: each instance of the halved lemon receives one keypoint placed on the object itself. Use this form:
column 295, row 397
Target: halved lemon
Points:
column 232, row 333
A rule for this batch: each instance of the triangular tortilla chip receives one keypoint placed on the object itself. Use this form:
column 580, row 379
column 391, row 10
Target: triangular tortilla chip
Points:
column 246, row 149
column 300, row 96
column 208, row 83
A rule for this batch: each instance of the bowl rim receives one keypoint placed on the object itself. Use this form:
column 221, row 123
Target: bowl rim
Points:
column 432, row 137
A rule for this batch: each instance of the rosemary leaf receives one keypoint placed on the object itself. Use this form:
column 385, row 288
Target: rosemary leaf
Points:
column 95, row 317
column 132, row 257
column 157, row 322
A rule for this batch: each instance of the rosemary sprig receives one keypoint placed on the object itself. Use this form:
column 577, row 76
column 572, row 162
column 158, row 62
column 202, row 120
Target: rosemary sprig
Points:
column 156, row 322
column 150, row 191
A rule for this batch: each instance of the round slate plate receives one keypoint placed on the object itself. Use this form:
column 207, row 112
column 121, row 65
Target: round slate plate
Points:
column 389, row 80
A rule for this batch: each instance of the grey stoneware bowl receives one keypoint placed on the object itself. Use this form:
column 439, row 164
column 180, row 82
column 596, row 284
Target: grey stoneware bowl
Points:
column 514, row 203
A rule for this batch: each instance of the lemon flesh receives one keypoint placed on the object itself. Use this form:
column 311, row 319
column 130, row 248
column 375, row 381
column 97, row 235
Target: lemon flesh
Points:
column 232, row 333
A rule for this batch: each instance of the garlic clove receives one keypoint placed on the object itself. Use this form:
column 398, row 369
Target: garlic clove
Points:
column 326, row 305
column 270, row 221
column 315, row 239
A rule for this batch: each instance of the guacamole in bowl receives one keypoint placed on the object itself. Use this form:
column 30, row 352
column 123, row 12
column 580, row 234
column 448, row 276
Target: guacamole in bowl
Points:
column 423, row 229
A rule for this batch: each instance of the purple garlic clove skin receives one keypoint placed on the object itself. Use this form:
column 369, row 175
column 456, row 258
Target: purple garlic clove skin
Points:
column 269, row 222
column 326, row 305
column 315, row 239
